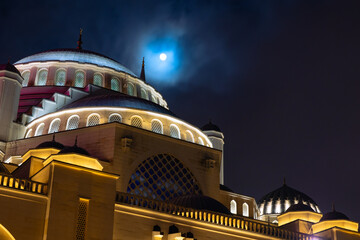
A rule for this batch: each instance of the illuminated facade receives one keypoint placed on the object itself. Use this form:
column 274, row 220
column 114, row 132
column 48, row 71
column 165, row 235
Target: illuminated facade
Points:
column 91, row 151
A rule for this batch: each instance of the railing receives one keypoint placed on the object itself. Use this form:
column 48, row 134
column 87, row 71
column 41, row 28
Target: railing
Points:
column 22, row 184
column 213, row 217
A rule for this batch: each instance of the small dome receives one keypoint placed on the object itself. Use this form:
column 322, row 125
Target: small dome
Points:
column 210, row 127
column 9, row 67
column 285, row 196
column 74, row 149
column 334, row 215
column 76, row 55
column 299, row 208
column 51, row 144
column 200, row 202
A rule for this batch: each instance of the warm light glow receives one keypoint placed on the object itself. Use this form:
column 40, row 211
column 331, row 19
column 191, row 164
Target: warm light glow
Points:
column 77, row 160
column 299, row 215
column 325, row 225
column 163, row 57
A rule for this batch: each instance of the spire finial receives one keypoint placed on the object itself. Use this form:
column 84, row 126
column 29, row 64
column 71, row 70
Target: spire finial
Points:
column 142, row 73
column 53, row 137
column 79, row 42
column 75, row 144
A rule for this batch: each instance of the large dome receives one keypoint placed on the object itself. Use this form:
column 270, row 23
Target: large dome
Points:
column 75, row 55
column 106, row 98
column 279, row 200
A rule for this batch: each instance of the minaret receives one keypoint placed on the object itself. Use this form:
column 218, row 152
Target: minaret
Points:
column 217, row 139
column 10, row 86
column 142, row 74
column 79, row 42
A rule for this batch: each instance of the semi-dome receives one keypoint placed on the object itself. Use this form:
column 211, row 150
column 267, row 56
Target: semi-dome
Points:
column 200, row 202
column 279, row 200
column 299, row 207
column 334, row 215
column 51, row 144
column 76, row 55
column 116, row 99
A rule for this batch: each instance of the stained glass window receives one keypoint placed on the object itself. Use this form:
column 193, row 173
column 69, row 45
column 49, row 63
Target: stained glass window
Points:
column 60, row 78
column 79, row 79
column 98, row 80
column 115, row 84
column 42, row 77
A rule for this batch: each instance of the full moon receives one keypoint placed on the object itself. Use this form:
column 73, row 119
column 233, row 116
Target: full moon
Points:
column 163, row 57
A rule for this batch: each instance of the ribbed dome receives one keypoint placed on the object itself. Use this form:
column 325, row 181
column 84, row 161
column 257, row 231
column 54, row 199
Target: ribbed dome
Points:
column 299, row 208
column 285, row 196
column 75, row 55
column 200, row 202
column 210, row 127
column 105, row 98
column 334, row 215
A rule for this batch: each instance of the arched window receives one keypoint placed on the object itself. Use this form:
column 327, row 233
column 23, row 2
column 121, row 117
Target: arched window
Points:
column 115, row 118
column 54, row 125
column 79, row 79
column 153, row 99
column 28, row 134
column 200, row 141
column 189, row 136
column 174, row 131
column 42, row 77
column 115, row 85
column 40, row 129
column 98, row 80
column 136, row 122
column 93, row 119
column 233, row 207
column 26, row 76
column 162, row 177
column 156, row 126
column 73, row 122
column 245, row 210
column 130, row 89
column 60, row 77
column 144, row 94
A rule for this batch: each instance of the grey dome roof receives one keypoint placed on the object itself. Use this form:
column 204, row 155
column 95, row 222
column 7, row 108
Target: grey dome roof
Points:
column 200, row 202
column 115, row 99
column 75, row 55
column 51, row 144
column 334, row 215
column 281, row 194
column 74, row 149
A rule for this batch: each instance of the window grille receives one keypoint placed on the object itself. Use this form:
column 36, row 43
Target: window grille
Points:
column 98, row 80
column 39, row 129
column 93, row 120
column 42, row 77
column 200, row 141
column 144, row 94
column 115, row 84
column 54, row 126
column 174, row 131
column 28, row 133
column 79, row 79
column 73, row 123
column 60, row 78
column 189, row 136
column 82, row 219
column 162, row 177
column 136, row 122
column 156, row 126
column 26, row 76
column 130, row 89
column 115, row 118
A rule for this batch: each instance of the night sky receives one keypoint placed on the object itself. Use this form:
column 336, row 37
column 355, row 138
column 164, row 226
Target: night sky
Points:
column 280, row 78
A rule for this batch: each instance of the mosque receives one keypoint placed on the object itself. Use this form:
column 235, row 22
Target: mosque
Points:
column 90, row 150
